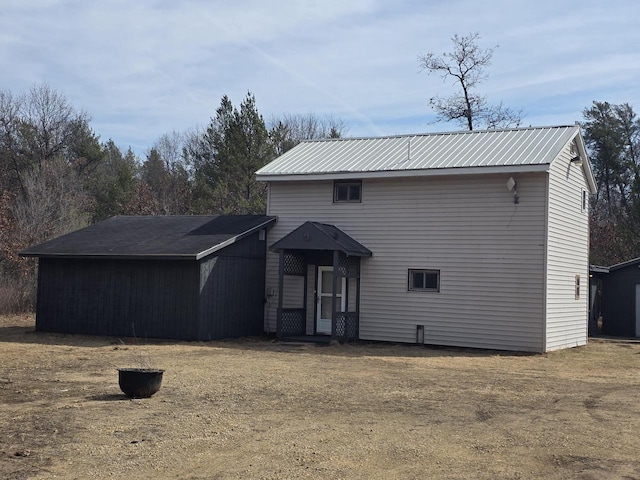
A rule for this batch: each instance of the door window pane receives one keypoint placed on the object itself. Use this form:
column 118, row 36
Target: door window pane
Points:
column 325, row 308
column 327, row 282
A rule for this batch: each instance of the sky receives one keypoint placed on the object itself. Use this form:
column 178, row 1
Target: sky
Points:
column 141, row 69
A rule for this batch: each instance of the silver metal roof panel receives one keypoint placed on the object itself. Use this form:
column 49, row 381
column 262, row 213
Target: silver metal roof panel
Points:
column 534, row 146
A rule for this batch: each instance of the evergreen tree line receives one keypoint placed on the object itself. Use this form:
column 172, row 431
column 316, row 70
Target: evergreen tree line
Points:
column 56, row 175
column 612, row 135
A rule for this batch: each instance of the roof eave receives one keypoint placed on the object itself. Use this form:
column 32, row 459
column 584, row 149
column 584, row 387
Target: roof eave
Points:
column 110, row 256
column 484, row 170
column 269, row 222
column 628, row 263
column 357, row 254
column 586, row 164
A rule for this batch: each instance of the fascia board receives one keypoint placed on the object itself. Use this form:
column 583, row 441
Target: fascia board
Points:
column 406, row 173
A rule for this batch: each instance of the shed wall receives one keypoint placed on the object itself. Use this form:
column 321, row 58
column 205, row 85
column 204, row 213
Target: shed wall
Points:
column 232, row 291
column 567, row 255
column 490, row 253
column 148, row 298
column 619, row 301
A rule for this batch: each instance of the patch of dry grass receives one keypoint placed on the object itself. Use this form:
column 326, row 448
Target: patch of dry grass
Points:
column 255, row 408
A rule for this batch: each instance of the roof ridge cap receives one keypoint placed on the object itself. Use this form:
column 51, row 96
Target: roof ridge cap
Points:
column 429, row 134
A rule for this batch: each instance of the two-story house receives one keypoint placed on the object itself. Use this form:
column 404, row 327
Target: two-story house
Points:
column 475, row 239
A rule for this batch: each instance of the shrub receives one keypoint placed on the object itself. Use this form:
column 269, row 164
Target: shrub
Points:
column 17, row 294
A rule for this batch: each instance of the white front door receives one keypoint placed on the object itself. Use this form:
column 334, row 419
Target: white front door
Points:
column 323, row 299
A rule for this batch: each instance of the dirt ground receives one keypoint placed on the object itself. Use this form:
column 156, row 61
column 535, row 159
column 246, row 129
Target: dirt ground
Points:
column 259, row 409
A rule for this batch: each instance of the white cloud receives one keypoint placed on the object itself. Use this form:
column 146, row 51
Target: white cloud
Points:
column 145, row 68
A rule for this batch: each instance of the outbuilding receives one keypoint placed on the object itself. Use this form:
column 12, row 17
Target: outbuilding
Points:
column 596, row 274
column 621, row 299
column 177, row 277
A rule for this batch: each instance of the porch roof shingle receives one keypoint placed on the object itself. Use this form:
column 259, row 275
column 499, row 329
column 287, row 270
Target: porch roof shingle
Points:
column 321, row 236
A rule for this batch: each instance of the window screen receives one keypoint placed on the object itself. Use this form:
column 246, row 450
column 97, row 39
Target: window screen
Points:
column 344, row 191
column 424, row 280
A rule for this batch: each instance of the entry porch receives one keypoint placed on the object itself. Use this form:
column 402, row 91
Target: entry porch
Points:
column 319, row 280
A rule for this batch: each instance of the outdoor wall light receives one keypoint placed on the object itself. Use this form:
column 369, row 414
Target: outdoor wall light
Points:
column 512, row 186
column 577, row 161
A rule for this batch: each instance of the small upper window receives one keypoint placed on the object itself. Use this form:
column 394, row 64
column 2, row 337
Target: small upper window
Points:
column 347, row 191
column 424, row 280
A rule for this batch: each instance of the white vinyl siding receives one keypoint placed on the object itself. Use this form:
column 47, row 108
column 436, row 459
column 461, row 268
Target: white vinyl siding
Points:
column 567, row 255
column 489, row 251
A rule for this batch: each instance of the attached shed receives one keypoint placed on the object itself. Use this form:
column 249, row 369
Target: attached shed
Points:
column 178, row 277
column 621, row 299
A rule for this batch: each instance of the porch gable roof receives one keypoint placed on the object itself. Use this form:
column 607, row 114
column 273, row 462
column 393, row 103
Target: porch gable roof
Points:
column 321, row 236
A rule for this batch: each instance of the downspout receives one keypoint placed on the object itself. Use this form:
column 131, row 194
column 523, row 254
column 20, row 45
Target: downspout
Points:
column 266, row 311
column 545, row 262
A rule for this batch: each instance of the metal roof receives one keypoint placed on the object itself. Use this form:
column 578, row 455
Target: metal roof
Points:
column 321, row 236
column 532, row 147
column 186, row 237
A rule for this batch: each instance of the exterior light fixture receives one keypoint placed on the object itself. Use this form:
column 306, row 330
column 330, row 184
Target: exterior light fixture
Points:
column 512, row 186
column 577, row 161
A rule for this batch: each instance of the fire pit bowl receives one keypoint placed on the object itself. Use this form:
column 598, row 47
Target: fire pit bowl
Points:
column 139, row 382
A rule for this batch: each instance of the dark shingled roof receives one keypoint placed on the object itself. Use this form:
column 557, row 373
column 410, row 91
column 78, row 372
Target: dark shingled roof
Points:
column 628, row 263
column 320, row 236
column 187, row 237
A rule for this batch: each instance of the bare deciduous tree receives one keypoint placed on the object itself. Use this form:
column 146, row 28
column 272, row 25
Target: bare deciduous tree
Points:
column 467, row 64
column 11, row 159
column 290, row 129
column 50, row 123
column 44, row 146
column 35, row 128
column 53, row 203
column 168, row 173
